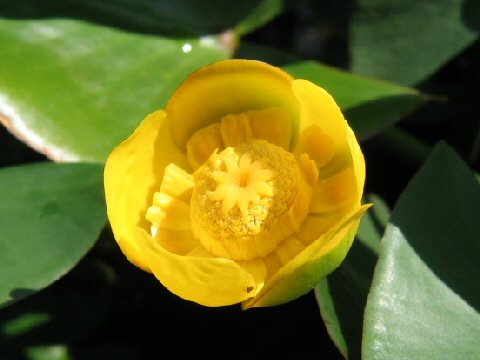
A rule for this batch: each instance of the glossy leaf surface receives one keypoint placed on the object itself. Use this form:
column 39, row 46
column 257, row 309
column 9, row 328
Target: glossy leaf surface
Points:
column 73, row 90
column 425, row 296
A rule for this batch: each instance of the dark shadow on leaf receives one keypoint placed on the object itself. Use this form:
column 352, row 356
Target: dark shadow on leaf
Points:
column 21, row 293
column 18, row 294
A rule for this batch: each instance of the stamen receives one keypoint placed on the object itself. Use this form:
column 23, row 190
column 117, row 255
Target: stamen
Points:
column 242, row 195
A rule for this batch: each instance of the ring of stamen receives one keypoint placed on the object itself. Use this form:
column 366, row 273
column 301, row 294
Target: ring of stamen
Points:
column 242, row 200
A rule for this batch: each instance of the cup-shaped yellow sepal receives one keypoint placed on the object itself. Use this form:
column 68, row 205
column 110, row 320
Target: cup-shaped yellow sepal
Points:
column 225, row 88
column 311, row 265
column 209, row 281
column 133, row 172
column 319, row 110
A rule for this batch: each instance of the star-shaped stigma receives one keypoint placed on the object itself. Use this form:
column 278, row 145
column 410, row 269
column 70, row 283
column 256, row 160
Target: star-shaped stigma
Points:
column 242, row 183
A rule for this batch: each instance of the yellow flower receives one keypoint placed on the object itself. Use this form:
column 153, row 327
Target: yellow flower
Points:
column 246, row 188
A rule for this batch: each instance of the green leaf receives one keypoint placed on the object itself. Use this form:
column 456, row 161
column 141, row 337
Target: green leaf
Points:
column 73, row 90
column 343, row 295
column 425, row 297
column 330, row 318
column 369, row 105
column 50, row 216
column 407, row 40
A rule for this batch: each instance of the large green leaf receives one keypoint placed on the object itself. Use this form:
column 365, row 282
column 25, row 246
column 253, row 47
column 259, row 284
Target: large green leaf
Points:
column 407, row 40
column 343, row 295
column 73, row 90
column 50, row 216
column 425, row 297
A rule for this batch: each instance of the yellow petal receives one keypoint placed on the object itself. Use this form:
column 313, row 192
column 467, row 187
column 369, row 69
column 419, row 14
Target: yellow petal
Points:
column 202, row 144
column 264, row 244
column 318, row 108
column 299, row 208
column 133, row 172
column 306, row 269
column 235, row 129
column 288, row 249
column 207, row 281
column 273, row 125
column 228, row 87
column 272, row 263
column 336, row 192
column 315, row 225
column 177, row 183
column 309, row 168
column 316, row 144
column 169, row 212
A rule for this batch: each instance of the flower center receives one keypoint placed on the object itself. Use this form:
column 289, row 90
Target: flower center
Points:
column 243, row 199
